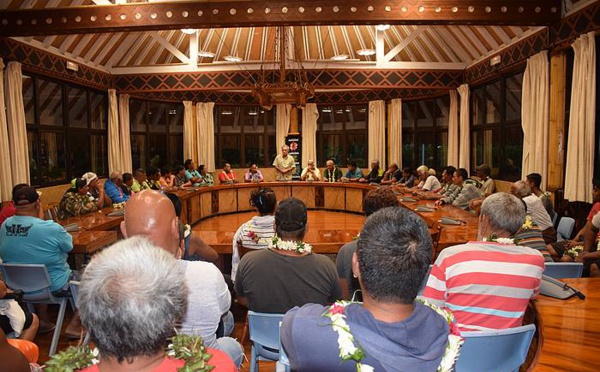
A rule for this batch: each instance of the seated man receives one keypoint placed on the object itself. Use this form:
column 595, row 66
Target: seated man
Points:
column 253, row 174
column 76, row 201
column 408, row 178
column 487, row 185
column 191, row 174
column 151, row 214
column 131, row 304
column 558, row 249
column 375, row 175
column 374, row 200
column 467, row 192
column 139, row 180
column 96, row 190
column 287, row 274
column 331, row 173
column 448, row 188
column 310, row 173
column 392, row 175
column 390, row 331
column 227, row 176
column 153, row 180
column 488, row 284
column 427, row 182
column 113, row 188
column 353, row 174
column 179, row 180
column 535, row 208
column 534, row 181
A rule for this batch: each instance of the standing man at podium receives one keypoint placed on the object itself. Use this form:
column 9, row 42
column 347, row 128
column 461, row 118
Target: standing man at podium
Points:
column 284, row 164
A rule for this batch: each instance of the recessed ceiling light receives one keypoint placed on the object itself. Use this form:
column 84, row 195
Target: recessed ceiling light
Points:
column 366, row 52
column 340, row 57
column 189, row 31
column 232, row 58
column 326, row 109
column 206, row 54
column 383, row 27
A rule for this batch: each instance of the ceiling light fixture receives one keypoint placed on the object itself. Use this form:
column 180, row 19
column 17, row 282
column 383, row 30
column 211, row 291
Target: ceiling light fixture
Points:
column 366, row 52
column 340, row 57
column 206, row 54
column 232, row 58
column 189, row 31
column 383, row 27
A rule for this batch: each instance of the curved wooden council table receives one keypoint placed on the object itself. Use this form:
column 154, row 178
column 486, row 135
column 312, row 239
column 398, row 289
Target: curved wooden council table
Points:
column 96, row 230
column 569, row 337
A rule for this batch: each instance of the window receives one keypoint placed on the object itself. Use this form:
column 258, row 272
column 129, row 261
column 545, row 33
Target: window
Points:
column 342, row 134
column 497, row 135
column 156, row 134
column 425, row 133
column 66, row 130
column 244, row 135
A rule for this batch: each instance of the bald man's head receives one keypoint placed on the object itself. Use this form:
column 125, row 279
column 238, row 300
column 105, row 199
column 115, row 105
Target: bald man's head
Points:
column 152, row 214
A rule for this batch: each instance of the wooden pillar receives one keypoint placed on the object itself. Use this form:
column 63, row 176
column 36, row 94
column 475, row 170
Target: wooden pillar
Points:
column 556, row 132
column 294, row 121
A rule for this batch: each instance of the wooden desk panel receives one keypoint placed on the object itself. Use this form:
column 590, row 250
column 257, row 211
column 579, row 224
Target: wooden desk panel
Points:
column 243, row 199
column 306, row 194
column 282, row 190
column 569, row 330
column 88, row 242
column 354, row 200
column 227, row 200
column 335, row 198
column 205, row 205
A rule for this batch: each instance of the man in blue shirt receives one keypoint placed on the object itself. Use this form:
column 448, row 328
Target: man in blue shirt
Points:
column 113, row 189
column 353, row 174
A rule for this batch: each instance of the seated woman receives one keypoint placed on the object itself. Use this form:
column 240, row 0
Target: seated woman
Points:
column 258, row 232
column 130, row 307
column 253, row 174
column 76, row 201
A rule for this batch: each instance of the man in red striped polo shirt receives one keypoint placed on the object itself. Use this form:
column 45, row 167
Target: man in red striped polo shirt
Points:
column 488, row 283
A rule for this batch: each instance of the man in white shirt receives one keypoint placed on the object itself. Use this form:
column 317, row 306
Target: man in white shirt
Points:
column 535, row 208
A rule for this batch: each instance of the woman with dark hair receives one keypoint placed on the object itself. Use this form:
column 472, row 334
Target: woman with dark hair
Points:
column 76, row 201
column 257, row 232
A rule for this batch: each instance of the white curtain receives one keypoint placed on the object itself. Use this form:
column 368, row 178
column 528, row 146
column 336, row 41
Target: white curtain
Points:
column 310, row 114
column 453, row 147
column 114, row 142
column 5, row 173
column 190, row 150
column 17, row 130
column 125, row 133
column 464, row 149
column 535, row 116
column 377, row 131
column 580, row 148
column 282, row 125
column 395, row 132
column 205, row 126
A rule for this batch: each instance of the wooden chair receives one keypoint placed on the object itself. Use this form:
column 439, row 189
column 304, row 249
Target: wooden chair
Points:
column 51, row 212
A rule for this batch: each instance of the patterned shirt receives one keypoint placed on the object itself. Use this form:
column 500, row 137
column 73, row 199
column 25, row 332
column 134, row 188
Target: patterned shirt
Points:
column 486, row 285
column 75, row 204
column 283, row 163
column 461, row 199
column 207, row 180
column 332, row 176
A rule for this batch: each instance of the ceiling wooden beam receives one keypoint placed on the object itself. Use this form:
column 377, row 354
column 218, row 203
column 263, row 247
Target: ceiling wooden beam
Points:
column 225, row 14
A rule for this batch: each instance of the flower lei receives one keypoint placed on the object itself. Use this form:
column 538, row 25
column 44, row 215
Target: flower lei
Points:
column 528, row 223
column 494, row 238
column 287, row 245
column 186, row 347
column 351, row 349
column 575, row 251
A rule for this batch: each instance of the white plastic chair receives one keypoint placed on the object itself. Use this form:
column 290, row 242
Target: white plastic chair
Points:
column 495, row 351
column 34, row 281
column 559, row 270
column 565, row 228
column 264, row 334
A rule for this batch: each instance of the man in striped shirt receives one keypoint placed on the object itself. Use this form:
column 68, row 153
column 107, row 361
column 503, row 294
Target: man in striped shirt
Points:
column 488, row 284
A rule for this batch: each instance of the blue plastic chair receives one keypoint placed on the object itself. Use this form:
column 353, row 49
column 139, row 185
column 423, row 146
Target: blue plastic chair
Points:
column 264, row 334
column 283, row 364
column 495, row 351
column 565, row 228
column 559, row 270
column 34, row 281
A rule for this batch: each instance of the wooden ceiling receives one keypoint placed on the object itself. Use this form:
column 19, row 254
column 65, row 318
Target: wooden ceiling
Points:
column 139, row 36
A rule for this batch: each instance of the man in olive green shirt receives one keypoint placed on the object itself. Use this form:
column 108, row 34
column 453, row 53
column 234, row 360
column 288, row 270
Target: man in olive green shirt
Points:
column 284, row 164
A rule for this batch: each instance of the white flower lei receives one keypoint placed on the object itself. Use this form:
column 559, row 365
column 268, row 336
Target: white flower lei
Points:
column 495, row 239
column 287, row 245
column 351, row 349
